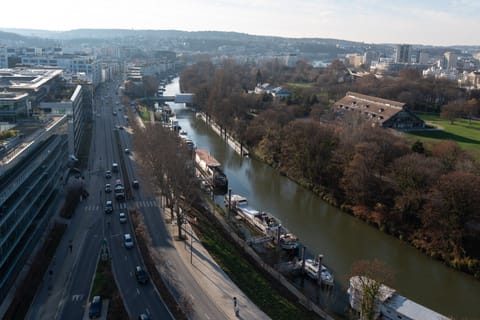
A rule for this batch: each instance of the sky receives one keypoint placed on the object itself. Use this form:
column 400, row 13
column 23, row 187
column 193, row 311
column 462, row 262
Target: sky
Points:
column 429, row 22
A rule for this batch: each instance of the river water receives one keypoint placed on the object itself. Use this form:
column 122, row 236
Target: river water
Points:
column 341, row 238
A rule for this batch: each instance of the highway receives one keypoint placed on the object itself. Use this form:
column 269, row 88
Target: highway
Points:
column 65, row 294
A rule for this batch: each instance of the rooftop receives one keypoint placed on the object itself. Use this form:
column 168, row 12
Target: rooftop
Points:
column 27, row 78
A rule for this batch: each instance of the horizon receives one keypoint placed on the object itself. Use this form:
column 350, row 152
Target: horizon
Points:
column 23, row 32
column 441, row 23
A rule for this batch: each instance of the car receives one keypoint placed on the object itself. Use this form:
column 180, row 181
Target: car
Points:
column 108, row 206
column 135, row 184
column 115, row 167
column 143, row 316
column 114, row 113
column 108, row 188
column 95, row 310
column 108, row 174
column 122, row 217
column 127, row 151
column 128, row 240
column 141, row 275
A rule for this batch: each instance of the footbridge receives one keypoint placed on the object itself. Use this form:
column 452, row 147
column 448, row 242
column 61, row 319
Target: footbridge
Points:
column 178, row 98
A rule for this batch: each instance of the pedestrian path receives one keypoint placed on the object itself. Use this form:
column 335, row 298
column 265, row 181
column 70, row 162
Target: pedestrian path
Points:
column 220, row 289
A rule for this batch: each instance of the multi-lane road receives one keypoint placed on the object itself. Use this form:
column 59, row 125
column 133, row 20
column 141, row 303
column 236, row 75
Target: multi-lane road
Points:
column 65, row 294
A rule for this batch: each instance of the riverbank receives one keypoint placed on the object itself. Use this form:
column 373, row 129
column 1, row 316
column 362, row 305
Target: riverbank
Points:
column 468, row 265
column 324, row 229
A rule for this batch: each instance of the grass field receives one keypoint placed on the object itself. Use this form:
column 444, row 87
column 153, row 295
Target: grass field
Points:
column 466, row 133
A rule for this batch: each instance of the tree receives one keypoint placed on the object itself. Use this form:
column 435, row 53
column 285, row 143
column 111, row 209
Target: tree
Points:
column 453, row 206
column 168, row 165
column 369, row 276
column 452, row 111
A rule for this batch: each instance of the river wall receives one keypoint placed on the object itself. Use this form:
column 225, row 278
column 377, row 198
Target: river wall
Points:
column 229, row 139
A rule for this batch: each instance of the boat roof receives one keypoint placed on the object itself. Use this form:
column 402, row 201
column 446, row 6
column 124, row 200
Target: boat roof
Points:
column 205, row 156
column 411, row 309
column 237, row 198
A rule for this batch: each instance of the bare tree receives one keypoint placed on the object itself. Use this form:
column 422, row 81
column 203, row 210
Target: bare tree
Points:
column 369, row 276
column 167, row 164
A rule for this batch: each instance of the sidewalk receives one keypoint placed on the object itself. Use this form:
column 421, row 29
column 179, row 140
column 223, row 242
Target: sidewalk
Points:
column 51, row 295
column 218, row 286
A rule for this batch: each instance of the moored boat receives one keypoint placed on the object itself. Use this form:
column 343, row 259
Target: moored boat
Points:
column 312, row 270
column 288, row 241
column 210, row 169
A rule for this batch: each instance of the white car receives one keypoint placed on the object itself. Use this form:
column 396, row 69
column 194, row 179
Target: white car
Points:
column 128, row 240
column 123, row 217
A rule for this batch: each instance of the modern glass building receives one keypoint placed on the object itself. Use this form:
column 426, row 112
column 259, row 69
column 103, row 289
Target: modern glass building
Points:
column 31, row 170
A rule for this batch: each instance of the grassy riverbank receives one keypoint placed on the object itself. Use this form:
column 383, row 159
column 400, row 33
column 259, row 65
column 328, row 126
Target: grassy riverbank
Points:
column 266, row 293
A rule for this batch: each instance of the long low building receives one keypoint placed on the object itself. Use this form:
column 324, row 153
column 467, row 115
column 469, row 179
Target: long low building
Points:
column 382, row 112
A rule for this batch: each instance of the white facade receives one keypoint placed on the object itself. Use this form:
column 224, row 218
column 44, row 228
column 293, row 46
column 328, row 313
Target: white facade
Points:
column 72, row 63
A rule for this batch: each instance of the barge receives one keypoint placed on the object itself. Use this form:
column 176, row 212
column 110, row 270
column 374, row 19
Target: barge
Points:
column 210, row 170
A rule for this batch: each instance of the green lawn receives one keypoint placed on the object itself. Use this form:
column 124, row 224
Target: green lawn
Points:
column 466, row 133
column 302, row 85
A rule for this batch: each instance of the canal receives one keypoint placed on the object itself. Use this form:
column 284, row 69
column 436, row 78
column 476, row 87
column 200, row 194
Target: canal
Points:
column 341, row 238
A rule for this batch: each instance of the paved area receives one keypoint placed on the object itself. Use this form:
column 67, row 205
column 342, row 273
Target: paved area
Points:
column 218, row 286
column 51, row 295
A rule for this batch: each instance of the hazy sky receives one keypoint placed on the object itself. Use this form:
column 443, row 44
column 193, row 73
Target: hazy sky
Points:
column 441, row 22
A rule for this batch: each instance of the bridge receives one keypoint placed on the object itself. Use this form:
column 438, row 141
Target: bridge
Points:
column 178, row 98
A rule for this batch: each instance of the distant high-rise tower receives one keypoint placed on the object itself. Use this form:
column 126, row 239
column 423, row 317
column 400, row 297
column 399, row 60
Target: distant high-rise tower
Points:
column 423, row 57
column 402, row 53
column 451, row 59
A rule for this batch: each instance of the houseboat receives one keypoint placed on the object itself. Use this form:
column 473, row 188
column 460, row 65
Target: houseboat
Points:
column 389, row 304
column 264, row 222
column 210, row 170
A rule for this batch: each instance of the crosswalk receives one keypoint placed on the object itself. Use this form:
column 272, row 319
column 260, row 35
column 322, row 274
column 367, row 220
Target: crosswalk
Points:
column 124, row 205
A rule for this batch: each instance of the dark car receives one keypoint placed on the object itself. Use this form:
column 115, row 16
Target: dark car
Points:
column 141, row 275
column 95, row 310
column 108, row 174
column 135, row 184
column 108, row 206
column 143, row 316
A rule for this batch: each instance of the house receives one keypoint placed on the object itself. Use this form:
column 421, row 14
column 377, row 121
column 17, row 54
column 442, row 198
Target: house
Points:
column 277, row 92
column 280, row 93
column 381, row 112
column 263, row 88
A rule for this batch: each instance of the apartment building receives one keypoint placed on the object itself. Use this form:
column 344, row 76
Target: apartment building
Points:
column 32, row 163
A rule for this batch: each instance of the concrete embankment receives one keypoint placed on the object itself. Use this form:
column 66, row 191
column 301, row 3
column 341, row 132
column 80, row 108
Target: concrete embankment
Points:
column 230, row 140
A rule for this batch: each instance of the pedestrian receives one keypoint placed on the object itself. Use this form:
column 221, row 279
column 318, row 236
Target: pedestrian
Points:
column 236, row 308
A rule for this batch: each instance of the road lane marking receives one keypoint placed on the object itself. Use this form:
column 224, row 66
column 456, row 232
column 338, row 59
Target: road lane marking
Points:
column 77, row 297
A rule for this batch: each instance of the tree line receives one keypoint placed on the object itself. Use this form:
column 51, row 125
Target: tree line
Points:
column 426, row 196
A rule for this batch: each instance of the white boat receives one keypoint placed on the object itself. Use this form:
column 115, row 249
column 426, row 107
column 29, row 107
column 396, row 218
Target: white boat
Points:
column 183, row 134
column 266, row 223
column 311, row 269
column 288, row 241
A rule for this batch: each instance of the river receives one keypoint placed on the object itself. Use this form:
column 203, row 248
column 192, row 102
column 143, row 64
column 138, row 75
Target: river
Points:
column 341, row 238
